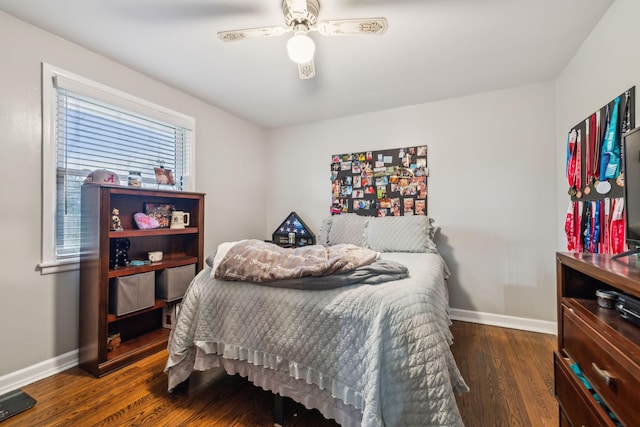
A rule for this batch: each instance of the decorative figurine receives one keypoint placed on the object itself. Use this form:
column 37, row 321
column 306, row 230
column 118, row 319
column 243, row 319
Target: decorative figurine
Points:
column 113, row 341
column 116, row 224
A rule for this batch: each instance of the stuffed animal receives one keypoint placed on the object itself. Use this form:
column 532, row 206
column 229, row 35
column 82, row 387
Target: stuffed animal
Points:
column 144, row 221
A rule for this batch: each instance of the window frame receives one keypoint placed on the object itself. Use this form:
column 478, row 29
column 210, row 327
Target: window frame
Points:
column 53, row 77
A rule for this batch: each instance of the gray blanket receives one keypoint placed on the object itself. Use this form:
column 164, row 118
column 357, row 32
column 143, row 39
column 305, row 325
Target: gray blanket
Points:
column 377, row 272
column 313, row 267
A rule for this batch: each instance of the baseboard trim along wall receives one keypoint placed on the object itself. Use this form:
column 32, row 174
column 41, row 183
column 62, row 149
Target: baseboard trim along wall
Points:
column 524, row 324
column 69, row 360
column 38, row 371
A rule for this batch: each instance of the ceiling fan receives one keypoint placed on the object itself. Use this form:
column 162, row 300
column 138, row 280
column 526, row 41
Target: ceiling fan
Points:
column 301, row 17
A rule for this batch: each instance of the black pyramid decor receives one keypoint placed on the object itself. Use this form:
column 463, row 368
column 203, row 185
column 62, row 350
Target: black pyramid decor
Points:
column 293, row 232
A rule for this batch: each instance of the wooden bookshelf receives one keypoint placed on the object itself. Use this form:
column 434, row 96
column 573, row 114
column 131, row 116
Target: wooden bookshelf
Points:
column 141, row 331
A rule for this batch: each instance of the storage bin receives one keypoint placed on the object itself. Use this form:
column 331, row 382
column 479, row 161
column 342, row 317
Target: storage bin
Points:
column 131, row 293
column 172, row 283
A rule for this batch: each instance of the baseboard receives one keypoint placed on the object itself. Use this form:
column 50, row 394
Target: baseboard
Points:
column 503, row 321
column 38, row 371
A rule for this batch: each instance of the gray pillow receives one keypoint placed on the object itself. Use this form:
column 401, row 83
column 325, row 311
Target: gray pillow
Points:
column 401, row 234
column 210, row 258
column 323, row 235
column 348, row 228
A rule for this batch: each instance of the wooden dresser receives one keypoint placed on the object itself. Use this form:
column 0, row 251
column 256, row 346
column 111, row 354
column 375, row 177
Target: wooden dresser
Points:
column 604, row 346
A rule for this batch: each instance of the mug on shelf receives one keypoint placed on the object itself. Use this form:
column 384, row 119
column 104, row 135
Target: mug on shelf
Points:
column 155, row 256
column 180, row 219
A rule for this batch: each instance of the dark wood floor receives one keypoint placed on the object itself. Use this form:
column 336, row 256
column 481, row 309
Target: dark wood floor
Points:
column 510, row 374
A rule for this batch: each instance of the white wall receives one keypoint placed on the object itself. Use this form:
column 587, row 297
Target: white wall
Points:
column 606, row 65
column 38, row 314
column 491, row 188
column 497, row 183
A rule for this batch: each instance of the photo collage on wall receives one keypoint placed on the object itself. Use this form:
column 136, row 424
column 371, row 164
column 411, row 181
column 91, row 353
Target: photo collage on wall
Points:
column 390, row 182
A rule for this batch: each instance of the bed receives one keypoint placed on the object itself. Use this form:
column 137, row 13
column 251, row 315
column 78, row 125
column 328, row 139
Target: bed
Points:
column 369, row 353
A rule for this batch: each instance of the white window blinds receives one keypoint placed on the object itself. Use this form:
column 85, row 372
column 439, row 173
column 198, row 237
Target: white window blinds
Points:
column 91, row 134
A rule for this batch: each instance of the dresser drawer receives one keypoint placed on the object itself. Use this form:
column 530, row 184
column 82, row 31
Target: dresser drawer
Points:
column 612, row 374
column 576, row 403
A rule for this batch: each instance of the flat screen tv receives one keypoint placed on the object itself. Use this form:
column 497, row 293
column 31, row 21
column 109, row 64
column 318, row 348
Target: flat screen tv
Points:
column 631, row 170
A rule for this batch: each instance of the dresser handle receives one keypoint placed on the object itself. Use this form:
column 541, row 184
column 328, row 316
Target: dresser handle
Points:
column 604, row 375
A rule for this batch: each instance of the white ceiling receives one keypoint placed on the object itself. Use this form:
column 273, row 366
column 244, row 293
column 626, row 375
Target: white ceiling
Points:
column 433, row 49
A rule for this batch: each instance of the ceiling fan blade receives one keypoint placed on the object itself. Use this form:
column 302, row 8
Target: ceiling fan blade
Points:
column 353, row 27
column 306, row 70
column 252, row 33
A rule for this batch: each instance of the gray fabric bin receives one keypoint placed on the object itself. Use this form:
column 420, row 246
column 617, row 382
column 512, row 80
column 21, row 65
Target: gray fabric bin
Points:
column 131, row 293
column 172, row 283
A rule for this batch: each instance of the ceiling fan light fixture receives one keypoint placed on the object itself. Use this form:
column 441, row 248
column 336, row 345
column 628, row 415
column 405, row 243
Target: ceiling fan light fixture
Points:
column 301, row 17
column 301, row 48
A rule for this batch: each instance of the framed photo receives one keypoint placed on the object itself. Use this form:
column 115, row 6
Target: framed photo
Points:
column 161, row 212
column 164, row 176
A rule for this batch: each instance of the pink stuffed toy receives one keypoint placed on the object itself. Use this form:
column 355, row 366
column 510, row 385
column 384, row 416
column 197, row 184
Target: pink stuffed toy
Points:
column 144, row 221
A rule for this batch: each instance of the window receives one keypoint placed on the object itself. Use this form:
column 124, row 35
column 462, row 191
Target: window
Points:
column 87, row 126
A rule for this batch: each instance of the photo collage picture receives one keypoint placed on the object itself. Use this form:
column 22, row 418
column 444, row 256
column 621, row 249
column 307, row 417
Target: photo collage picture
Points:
column 390, row 182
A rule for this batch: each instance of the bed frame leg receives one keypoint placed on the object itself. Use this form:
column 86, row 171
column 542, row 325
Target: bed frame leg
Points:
column 280, row 406
column 278, row 410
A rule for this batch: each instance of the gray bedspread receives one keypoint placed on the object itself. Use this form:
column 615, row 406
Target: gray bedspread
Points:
column 381, row 350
